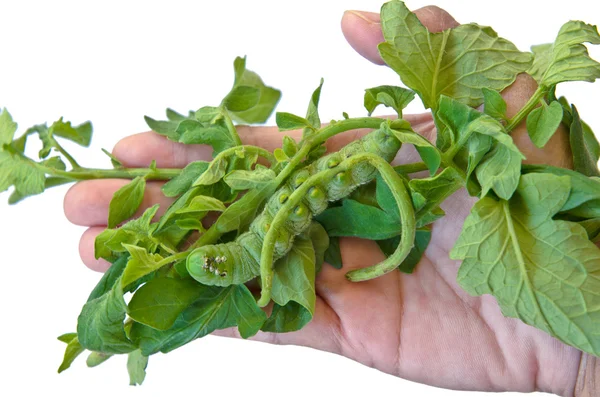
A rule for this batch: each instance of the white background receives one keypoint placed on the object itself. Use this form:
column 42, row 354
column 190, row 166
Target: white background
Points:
column 113, row 62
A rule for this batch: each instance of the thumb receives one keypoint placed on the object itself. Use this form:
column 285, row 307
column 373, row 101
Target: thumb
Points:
column 363, row 29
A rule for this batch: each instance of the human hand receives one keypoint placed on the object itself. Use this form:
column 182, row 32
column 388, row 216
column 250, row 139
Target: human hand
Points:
column 428, row 330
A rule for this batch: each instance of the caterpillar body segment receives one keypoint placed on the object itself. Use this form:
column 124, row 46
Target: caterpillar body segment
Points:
column 239, row 260
column 403, row 201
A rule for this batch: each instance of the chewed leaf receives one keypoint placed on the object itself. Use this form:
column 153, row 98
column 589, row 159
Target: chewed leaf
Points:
column 250, row 101
column 567, row 59
column 540, row 270
column 427, row 62
column 81, row 134
column 241, row 98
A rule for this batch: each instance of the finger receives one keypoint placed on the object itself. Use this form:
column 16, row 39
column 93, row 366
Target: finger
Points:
column 557, row 151
column 86, row 250
column 139, row 150
column 363, row 29
column 86, row 203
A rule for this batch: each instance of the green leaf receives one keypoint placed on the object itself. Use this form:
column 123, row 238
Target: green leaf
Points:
column 214, row 173
column 246, row 107
column 540, row 270
column 135, row 232
column 312, row 113
column 353, row 219
column 585, row 158
column 422, row 238
column 242, row 212
column 333, row 256
column 320, row 241
column 20, row 172
column 241, row 98
column 435, row 190
column 289, row 318
column 136, row 367
column 592, row 228
column 457, row 62
column 584, row 190
column 96, row 358
column 493, row 104
column 140, row 264
column 249, row 179
column 567, row 59
column 113, row 160
column 174, row 116
column 294, row 276
column 287, row 121
column 499, row 171
column 543, row 122
column 208, row 115
column 429, row 153
column 183, row 182
column 290, row 147
column 7, row 128
column 217, row 135
column 73, row 350
column 394, row 97
column 203, row 204
column 81, row 134
column 100, row 324
column 126, row 201
column 216, row 308
column 160, row 301
column 166, row 128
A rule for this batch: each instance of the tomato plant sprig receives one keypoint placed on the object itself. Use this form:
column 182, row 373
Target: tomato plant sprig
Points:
column 529, row 240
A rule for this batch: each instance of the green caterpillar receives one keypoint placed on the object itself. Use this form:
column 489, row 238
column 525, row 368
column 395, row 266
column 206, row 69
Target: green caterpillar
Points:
column 239, row 261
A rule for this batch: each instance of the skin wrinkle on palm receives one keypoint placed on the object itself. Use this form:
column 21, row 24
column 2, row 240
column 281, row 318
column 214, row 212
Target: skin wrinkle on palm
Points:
column 337, row 318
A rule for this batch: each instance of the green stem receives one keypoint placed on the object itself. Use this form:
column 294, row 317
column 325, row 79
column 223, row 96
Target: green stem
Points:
column 342, row 126
column 62, row 151
column 403, row 200
column 231, row 127
column 82, row 174
column 174, row 258
column 525, row 110
column 411, row 168
column 213, row 234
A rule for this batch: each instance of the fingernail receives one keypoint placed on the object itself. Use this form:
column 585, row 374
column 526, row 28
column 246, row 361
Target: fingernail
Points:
column 368, row 17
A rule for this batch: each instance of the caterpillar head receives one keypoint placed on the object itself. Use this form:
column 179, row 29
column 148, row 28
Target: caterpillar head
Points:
column 209, row 268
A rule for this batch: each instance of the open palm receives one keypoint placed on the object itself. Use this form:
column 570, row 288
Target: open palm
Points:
column 421, row 326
